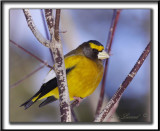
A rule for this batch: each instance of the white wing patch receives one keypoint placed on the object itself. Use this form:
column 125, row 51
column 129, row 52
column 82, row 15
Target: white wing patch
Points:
column 49, row 76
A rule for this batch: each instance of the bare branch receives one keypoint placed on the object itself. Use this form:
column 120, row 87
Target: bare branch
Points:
column 56, row 31
column 124, row 85
column 46, row 30
column 27, row 76
column 113, row 26
column 74, row 115
column 115, row 19
column 74, row 103
column 112, row 111
column 50, row 20
column 60, row 70
column 34, row 29
column 31, row 54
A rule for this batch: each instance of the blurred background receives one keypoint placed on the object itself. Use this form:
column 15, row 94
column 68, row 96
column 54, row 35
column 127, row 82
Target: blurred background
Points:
column 132, row 35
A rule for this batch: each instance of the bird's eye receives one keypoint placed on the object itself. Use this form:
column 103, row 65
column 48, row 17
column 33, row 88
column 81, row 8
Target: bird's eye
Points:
column 94, row 50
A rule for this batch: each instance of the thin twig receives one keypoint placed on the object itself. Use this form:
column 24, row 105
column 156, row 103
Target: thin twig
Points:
column 34, row 29
column 47, row 32
column 114, row 22
column 115, row 19
column 124, row 85
column 74, row 103
column 112, row 111
column 60, row 70
column 27, row 76
column 31, row 54
column 74, row 115
column 57, row 19
column 50, row 20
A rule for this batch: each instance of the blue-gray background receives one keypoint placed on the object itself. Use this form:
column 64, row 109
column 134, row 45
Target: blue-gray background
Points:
column 132, row 35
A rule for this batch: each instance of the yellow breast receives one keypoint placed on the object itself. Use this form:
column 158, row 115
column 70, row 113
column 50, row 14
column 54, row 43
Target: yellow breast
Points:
column 83, row 79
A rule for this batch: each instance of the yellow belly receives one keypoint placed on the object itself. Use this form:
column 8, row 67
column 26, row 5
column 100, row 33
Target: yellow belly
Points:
column 83, row 79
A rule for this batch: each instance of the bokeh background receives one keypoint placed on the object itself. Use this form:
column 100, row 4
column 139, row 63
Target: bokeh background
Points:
column 132, row 35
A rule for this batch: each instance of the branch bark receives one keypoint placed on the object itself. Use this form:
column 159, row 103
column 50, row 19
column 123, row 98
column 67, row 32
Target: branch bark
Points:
column 50, row 20
column 55, row 45
column 115, row 19
column 60, row 70
column 34, row 29
column 56, row 30
column 124, row 85
column 46, row 29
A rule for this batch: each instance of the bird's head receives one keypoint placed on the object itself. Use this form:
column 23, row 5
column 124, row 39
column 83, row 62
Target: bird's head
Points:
column 94, row 50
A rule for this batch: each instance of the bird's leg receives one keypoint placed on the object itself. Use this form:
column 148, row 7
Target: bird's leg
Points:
column 79, row 99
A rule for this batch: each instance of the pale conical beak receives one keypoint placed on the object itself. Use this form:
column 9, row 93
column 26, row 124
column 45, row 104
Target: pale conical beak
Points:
column 103, row 55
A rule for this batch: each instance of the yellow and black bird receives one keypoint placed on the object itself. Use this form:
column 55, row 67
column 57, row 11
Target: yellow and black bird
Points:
column 84, row 70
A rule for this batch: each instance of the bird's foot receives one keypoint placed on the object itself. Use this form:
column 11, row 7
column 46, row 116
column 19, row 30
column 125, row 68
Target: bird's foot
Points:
column 78, row 99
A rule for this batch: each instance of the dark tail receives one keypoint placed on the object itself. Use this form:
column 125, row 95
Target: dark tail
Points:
column 29, row 102
column 47, row 101
column 45, row 88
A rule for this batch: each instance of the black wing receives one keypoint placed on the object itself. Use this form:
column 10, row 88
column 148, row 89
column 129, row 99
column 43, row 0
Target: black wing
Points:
column 45, row 88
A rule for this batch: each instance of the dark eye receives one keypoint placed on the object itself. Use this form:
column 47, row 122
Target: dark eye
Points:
column 94, row 50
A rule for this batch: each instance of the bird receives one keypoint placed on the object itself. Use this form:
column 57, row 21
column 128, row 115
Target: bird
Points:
column 84, row 71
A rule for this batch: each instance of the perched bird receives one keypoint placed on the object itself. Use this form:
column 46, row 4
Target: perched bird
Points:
column 84, row 71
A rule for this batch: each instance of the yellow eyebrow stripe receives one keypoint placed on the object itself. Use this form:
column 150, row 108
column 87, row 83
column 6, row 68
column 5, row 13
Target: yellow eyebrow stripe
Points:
column 97, row 47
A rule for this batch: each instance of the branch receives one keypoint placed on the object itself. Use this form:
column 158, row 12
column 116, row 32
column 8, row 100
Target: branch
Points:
column 124, row 85
column 50, row 20
column 114, row 22
column 112, row 111
column 27, row 76
column 31, row 54
column 115, row 19
column 46, row 30
column 60, row 70
column 34, row 29
column 74, row 103
column 74, row 115
column 56, row 31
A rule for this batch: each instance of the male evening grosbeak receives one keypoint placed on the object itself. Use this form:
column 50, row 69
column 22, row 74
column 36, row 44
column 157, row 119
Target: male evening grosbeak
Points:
column 84, row 70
